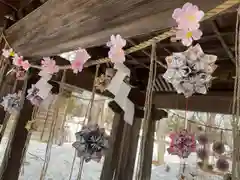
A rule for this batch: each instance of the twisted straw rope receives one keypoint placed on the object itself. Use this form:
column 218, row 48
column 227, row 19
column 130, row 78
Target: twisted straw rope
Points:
column 220, row 8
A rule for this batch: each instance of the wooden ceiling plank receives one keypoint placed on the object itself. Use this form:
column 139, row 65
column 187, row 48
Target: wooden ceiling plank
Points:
column 63, row 25
column 223, row 43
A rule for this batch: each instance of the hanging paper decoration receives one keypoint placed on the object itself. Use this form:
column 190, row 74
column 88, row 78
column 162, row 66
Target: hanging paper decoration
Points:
column 31, row 125
column 8, row 53
column 19, row 62
column 191, row 71
column 182, row 144
column 202, row 139
column 116, row 53
column 81, row 57
column 117, row 86
column 91, row 143
column 222, row 164
column 104, row 79
column 11, row 103
column 218, row 147
column 121, row 90
column 49, row 65
column 33, row 96
column 227, row 176
column 188, row 18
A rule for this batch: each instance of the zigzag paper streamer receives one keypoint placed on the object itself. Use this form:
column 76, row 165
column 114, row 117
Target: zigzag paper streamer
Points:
column 121, row 90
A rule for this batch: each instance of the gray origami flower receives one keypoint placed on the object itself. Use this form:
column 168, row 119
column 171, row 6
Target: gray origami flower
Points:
column 11, row 103
column 91, row 143
column 33, row 97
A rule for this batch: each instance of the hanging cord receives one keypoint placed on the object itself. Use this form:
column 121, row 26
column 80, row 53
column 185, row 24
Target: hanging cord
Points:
column 147, row 111
column 87, row 119
column 235, row 106
column 52, row 130
column 186, row 120
column 23, row 158
column 45, row 121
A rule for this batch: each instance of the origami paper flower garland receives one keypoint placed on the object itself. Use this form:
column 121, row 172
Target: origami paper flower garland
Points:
column 11, row 103
column 188, row 18
column 191, row 71
column 48, row 65
column 91, row 143
column 182, row 144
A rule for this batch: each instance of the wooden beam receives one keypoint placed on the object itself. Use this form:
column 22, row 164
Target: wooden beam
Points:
column 223, row 43
column 82, row 23
column 215, row 102
column 202, row 103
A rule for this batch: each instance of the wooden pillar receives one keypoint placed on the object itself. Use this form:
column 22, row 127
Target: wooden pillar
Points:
column 117, row 160
column 120, row 160
column 12, row 160
column 111, row 159
column 135, row 129
column 148, row 150
column 6, row 83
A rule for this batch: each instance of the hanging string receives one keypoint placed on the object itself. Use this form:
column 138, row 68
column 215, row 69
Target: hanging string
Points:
column 51, row 134
column 235, row 107
column 200, row 124
column 87, row 118
column 186, row 120
column 147, row 111
column 23, row 158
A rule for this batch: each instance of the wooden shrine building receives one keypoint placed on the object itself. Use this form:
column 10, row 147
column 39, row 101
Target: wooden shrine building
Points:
column 40, row 28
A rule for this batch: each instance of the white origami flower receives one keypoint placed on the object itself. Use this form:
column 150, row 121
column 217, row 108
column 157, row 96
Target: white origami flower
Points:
column 177, row 68
column 200, row 61
column 186, row 88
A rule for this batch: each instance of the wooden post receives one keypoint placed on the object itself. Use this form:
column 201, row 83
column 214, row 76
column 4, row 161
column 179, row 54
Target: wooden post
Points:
column 148, row 150
column 135, row 129
column 111, row 159
column 14, row 153
column 120, row 160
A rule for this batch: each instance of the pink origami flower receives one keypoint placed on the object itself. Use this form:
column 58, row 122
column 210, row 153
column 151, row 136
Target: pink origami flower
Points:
column 17, row 60
column 81, row 57
column 187, row 36
column 188, row 17
column 116, row 41
column 49, row 65
column 116, row 53
column 25, row 65
column 7, row 53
